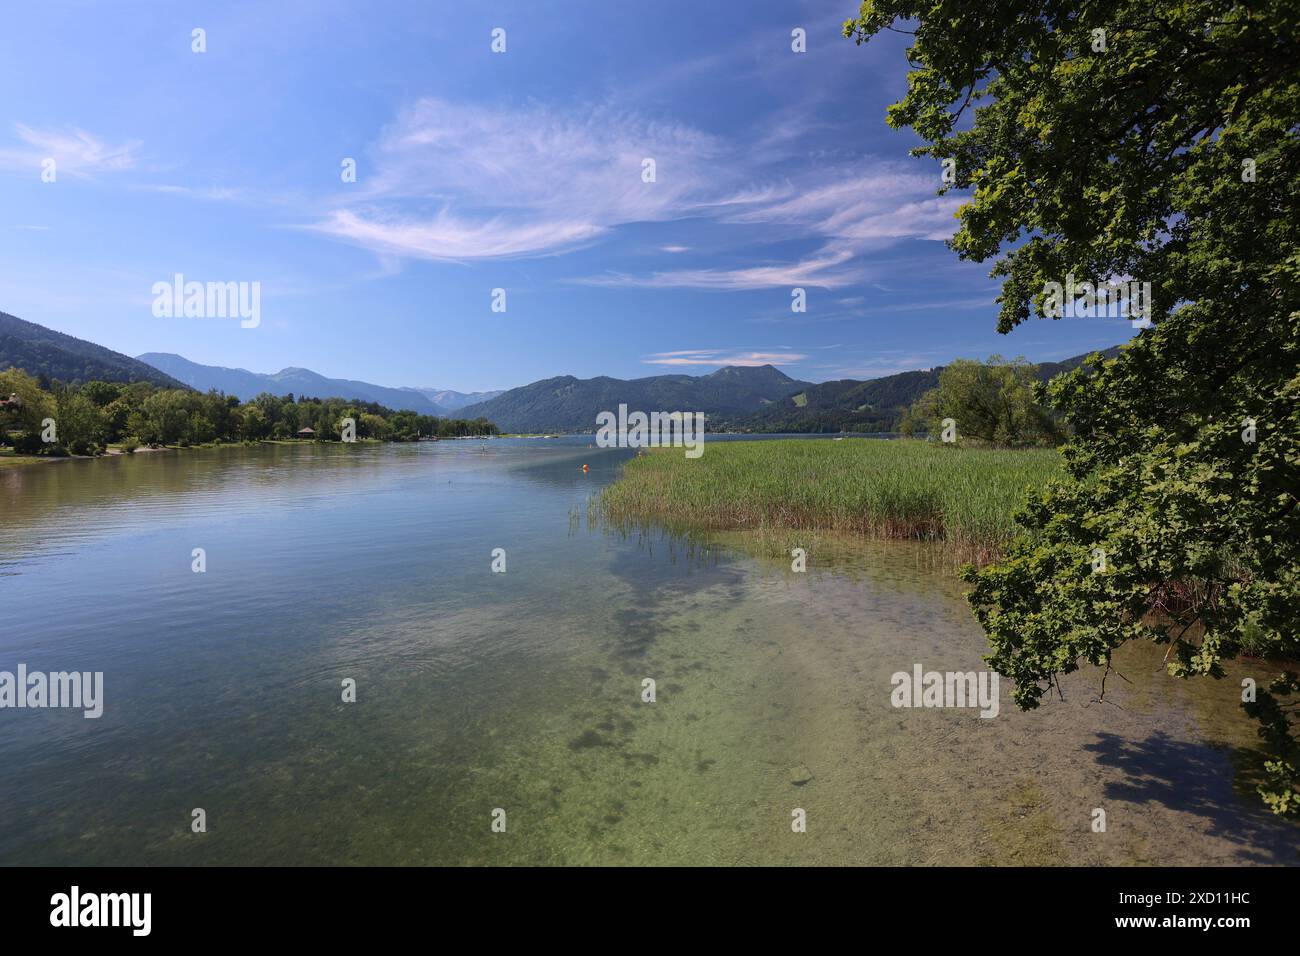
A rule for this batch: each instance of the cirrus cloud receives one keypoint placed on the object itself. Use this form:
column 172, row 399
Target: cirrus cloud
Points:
column 460, row 182
column 722, row 357
column 74, row 151
column 513, row 182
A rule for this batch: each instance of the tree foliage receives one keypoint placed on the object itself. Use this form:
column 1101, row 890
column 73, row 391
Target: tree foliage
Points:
column 991, row 401
column 93, row 414
column 1156, row 141
column 33, row 404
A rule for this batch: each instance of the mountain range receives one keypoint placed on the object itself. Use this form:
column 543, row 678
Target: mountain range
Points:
column 43, row 352
column 449, row 398
column 566, row 403
column 303, row 381
column 735, row 398
column 748, row 399
column 850, row 405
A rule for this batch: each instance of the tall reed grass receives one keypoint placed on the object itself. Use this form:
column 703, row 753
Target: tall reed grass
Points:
column 962, row 497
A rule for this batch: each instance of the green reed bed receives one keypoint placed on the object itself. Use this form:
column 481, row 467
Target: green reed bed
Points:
column 963, row 497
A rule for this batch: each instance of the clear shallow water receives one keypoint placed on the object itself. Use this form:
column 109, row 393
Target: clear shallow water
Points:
column 522, row 690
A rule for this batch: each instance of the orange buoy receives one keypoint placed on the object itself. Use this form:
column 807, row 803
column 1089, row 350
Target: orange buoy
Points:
column 584, row 469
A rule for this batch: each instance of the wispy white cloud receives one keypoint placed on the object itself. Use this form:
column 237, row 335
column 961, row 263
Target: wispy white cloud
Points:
column 825, row 270
column 887, row 203
column 877, row 363
column 211, row 193
column 722, row 357
column 445, row 236
column 851, row 213
column 879, row 369
column 986, row 301
column 75, row 152
column 493, row 183
column 459, row 182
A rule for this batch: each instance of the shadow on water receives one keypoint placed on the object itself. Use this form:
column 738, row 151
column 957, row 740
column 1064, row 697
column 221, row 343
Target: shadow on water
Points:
column 1196, row 779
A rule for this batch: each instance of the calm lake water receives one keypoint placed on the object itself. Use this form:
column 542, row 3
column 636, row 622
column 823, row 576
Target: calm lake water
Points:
column 522, row 690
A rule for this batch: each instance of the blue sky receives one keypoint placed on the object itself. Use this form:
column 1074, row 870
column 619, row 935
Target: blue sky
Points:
column 478, row 170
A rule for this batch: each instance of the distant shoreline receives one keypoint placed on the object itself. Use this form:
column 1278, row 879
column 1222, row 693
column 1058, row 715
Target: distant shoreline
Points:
column 13, row 459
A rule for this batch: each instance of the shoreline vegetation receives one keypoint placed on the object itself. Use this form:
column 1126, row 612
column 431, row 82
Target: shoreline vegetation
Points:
column 779, row 491
column 42, row 420
column 10, row 458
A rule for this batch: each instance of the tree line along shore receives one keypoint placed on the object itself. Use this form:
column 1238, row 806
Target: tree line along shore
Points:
column 41, row 418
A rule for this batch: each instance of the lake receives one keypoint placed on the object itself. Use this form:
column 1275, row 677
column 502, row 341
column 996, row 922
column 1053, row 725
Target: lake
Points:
column 521, row 692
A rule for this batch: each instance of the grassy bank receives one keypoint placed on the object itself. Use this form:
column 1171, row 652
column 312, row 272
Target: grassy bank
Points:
column 9, row 458
column 889, row 489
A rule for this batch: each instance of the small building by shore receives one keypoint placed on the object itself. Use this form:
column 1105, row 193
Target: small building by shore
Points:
column 307, row 433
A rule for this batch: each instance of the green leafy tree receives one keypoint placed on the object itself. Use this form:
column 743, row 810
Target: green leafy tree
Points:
column 992, row 401
column 26, row 414
column 372, row 426
column 117, row 414
column 163, row 419
column 143, row 428
column 102, row 393
column 217, row 411
column 255, row 425
column 80, row 424
column 291, row 419
column 1154, row 141
column 97, row 412
column 201, row 429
